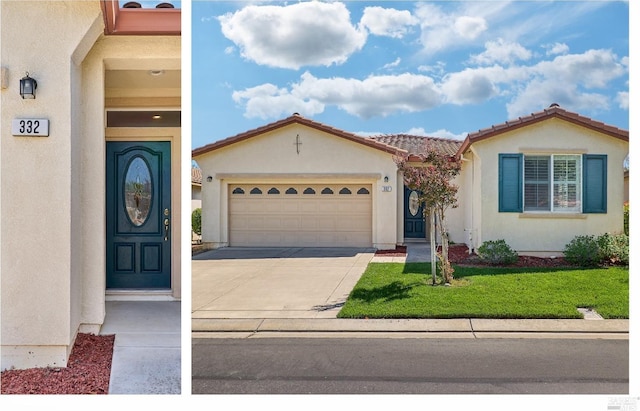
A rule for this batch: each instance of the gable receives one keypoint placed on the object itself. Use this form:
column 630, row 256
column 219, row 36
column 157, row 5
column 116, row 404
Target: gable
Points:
column 296, row 148
column 553, row 135
column 553, row 115
column 294, row 119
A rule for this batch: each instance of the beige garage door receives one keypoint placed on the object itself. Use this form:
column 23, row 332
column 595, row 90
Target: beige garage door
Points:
column 300, row 215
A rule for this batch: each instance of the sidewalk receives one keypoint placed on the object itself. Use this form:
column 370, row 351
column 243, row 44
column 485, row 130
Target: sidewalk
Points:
column 213, row 325
column 146, row 353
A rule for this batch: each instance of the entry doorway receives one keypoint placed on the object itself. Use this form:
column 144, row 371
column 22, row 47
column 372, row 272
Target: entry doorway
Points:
column 414, row 220
column 138, row 215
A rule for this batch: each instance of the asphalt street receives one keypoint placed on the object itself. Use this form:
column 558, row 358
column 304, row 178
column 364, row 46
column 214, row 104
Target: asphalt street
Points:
column 409, row 366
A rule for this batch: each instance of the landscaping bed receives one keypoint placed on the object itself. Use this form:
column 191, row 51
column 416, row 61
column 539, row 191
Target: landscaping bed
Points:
column 400, row 251
column 459, row 255
column 88, row 371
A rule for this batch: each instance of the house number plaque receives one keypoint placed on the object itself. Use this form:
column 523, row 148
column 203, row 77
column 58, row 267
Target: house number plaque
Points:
column 36, row 127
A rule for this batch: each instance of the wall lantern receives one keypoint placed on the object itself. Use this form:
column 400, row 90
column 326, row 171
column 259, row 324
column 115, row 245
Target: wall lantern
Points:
column 28, row 87
column 209, row 179
column 386, row 179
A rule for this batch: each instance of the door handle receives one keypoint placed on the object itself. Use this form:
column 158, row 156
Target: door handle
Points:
column 166, row 225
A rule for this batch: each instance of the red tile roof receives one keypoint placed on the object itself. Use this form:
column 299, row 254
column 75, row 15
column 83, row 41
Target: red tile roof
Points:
column 554, row 111
column 196, row 175
column 295, row 119
column 417, row 144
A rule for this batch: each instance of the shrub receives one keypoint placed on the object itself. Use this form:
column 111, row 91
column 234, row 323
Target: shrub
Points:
column 497, row 252
column 196, row 221
column 583, row 250
column 614, row 248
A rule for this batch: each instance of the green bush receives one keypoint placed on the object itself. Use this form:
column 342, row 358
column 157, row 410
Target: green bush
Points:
column 583, row 250
column 591, row 251
column 196, row 221
column 497, row 252
column 614, row 248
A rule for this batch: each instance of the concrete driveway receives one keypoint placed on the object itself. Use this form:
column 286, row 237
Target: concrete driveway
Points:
column 275, row 282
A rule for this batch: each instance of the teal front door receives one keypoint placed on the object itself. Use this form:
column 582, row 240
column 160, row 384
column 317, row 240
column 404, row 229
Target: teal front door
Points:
column 414, row 222
column 138, row 215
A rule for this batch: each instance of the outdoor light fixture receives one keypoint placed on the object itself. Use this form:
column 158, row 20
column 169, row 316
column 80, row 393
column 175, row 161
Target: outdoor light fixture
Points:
column 28, row 87
column 209, row 179
column 386, row 179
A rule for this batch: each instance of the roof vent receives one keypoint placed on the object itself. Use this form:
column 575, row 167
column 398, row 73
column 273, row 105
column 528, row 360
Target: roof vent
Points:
column 164, row 6
column 554, row 105
column 132, row 5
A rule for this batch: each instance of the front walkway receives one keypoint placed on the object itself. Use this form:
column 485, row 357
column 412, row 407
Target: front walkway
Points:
column 146, row 354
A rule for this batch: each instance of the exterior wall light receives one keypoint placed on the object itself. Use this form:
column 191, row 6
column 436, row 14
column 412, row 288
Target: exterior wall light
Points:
column 209, row 179
column 386, row 179
column 28, row 87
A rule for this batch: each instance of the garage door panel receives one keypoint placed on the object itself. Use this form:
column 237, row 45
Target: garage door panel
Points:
column 289, row 217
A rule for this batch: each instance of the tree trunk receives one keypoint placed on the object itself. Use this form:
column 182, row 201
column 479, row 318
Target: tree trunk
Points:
column 433, row 246
column 447, row 272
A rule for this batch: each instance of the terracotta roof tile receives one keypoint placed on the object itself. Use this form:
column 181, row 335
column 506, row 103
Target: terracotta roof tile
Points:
column 196, row 175
column 416, row 144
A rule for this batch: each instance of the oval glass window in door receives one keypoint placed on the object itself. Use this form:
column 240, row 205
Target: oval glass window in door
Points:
column 414, row 204
column 137, row 191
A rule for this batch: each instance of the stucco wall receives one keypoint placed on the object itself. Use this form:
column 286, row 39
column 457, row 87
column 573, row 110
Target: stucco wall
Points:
column 548, row 232
column 323, row 158
column 40, row 285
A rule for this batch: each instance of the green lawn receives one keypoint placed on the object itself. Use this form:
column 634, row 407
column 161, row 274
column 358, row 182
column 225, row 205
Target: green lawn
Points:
column 395, row 290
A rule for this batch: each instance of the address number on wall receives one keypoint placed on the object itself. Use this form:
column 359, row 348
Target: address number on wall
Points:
column 30, row 127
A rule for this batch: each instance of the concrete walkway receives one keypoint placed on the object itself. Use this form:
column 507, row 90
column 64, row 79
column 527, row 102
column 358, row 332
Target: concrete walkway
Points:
column 146, row 355
column 249, row 293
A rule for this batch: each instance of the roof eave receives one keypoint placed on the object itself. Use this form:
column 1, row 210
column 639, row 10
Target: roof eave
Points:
column 143, row 22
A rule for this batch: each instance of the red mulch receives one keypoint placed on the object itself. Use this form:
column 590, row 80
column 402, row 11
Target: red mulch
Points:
column 400, row 251
column 459, row 254
column 87, row 372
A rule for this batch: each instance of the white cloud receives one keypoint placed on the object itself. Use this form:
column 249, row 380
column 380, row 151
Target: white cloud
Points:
column 501, row 51
column 569, row 80
column 556, row 48
column 539, row 94
column 268, row 101
column 623, row 100
column 393, row 64
column 374, row 96
column 578, row 82
column 440, row 133
column 461, row 27
column 469, row 27
column 470, row 86
column 593, row 68
column 302, row 34
column 387, row 22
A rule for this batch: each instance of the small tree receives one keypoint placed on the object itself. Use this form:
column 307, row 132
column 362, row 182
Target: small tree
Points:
column 196, row 221
column 432, row 178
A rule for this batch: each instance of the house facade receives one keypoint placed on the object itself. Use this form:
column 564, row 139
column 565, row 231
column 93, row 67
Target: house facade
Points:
column 536, row 182
column 90, row 201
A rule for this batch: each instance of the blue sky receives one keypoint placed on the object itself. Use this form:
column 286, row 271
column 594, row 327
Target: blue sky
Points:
column 441, row 68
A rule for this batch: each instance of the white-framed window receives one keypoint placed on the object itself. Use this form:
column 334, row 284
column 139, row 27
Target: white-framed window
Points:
column 552, row 183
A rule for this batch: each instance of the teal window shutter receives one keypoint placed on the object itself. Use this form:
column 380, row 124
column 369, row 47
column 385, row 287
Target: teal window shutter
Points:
column 594, row 183
column 510, row 183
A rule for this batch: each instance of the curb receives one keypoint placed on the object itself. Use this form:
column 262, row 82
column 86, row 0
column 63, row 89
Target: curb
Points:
column 471, row 327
